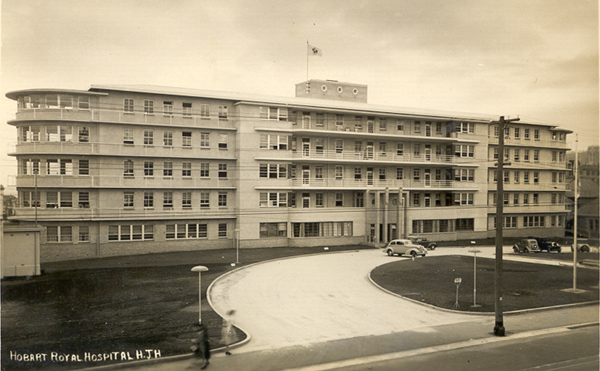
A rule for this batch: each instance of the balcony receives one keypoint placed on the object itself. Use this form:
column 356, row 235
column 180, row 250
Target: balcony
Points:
column 109, row 149
column 372, row 156
column 110, row 115
column 375, row 184
column 530, row 209
column 82, row 214
column 69, row 181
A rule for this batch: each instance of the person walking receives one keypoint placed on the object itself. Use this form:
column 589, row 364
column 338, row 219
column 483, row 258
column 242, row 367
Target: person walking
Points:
column 228, row 335
column 201, row 346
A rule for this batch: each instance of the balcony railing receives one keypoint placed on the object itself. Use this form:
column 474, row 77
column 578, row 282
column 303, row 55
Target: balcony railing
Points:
column 119, row 149
column 111, row 115
column 66, row 213
column 381, row 183
column 368, row 155
column 68, row 181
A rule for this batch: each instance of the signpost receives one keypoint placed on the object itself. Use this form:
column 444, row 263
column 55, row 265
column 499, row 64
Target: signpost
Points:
column 475, row 251
column 457, row 281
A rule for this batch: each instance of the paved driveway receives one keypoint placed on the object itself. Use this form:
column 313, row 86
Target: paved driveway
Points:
column 317, row 298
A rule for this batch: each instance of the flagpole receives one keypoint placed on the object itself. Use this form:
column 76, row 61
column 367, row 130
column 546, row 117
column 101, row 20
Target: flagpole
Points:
column 307, row 60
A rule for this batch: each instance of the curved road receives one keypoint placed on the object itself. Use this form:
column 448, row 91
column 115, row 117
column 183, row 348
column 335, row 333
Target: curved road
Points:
column 304, row 300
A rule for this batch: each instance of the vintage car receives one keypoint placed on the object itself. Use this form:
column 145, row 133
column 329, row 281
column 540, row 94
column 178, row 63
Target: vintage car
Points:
column 404, row 247
column 547, row 244
column 429, row 245
column 526, row 245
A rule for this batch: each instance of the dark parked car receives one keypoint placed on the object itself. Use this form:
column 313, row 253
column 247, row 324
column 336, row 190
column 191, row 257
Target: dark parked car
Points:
column 547, row 244
column 526, row 245
column 429, row 245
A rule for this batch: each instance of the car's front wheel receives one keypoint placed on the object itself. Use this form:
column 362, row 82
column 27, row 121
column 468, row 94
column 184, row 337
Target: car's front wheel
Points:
column 390, row 252
column 413, row 253
column 515, row 249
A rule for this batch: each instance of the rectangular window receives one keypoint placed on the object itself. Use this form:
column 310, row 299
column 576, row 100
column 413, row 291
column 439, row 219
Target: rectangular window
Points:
column 339, row 146
column 167, row 200
column 128, row 136
column 148, row 107
column 148, row 200
column 148, row 137
column 339, row 199
column 204, row 140
column 222, row 230
column 222, row 171
column 186, row 200
column 222, row 200
column 223, row 141
column 186, row 139
column 186, row 109
column 84, row 200
column 526, row 177
column 84, row 103
column 204, row 170
column 319, row 199
column 536, row 134
column 465, row 224
column 339, row 172
column 517, row 133
column 84, row 233
column 168, row 108
column 148, row 168
column 204, row 111
column 186, row 169
column 269, row 230
column 536, row 155
column 205, row 200
column 128, row 199
column 168, row 138
column 167, row 169
column 128, row 169
column 222, row 112
column 128, row 105
column 399, row 173
column 526, row 134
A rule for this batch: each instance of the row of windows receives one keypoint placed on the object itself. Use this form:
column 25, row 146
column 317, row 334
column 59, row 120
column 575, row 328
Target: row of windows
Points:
column 381, row 123
column 54, row 101
column 525, row 198
column 53, row 167
column 443, row 225
column 184, row 198
column 186, row 109
column 129, row 138
column 183, row 231
column 528, row 155
column 275, row 170
column 54, row 133
column 526, row 134
column 55, row 199
column 529, row 177
column 532, row 221
column 168, row 171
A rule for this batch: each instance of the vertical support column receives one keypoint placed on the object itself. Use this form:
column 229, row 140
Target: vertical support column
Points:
column 377, row 196
column 385, row 216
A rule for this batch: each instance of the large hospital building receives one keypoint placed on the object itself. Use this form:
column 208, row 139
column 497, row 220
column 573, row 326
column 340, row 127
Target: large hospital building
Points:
column 118, row 170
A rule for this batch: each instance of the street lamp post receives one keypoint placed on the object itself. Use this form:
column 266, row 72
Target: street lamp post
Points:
column 475, row 251
column 199, row 269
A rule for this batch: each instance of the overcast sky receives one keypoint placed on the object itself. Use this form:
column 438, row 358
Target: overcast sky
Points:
column 534, row 58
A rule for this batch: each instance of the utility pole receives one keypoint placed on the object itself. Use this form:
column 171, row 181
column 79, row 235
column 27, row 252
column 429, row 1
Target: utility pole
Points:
column 575, row 227
column 499, row 326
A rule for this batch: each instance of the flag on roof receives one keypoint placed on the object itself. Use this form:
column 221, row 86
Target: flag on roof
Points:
column 313, row 50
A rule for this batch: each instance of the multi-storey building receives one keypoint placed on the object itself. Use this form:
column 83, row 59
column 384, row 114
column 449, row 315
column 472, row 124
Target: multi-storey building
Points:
column 118, row 170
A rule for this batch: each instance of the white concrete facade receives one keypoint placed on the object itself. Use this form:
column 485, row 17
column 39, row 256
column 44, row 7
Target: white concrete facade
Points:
column 119, row 170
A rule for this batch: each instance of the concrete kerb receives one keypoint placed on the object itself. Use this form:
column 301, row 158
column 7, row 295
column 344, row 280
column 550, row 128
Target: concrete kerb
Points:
column 431, row 306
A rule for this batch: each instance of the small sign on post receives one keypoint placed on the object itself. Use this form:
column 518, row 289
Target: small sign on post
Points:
column 457, row 281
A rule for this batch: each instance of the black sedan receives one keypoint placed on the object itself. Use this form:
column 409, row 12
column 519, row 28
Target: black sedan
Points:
column 549, row 245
